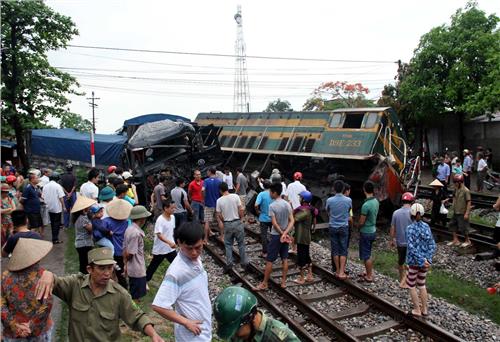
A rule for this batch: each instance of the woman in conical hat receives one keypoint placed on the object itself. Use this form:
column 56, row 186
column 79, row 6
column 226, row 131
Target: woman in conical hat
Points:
column 83, row 229
column 26, row 318
column 439, row 197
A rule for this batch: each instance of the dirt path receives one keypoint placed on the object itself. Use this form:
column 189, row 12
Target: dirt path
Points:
column 53, row 262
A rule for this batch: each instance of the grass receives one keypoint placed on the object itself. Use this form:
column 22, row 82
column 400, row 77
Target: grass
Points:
column 162, row 326
column 71, row 266
column 463, row 293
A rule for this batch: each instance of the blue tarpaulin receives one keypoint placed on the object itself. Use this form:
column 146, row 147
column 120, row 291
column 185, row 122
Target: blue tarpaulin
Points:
column 7, row 143
column 68, row 143
column 139, row 120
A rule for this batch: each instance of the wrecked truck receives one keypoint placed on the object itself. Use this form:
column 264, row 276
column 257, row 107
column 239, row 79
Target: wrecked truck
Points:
column 146, row 144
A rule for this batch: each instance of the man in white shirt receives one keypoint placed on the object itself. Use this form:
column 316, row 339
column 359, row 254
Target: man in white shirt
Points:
column 183, row 295
column 294, row 189
column 53, row 195
column 90, row 189
column 482, row 169
column 228, row 179
column 230, row 213
column 164, row 244
column 45, row 179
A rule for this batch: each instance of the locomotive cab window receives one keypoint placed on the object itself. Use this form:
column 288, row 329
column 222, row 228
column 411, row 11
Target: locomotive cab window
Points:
column 336, row 120
column 353, row 120
column 371, row 120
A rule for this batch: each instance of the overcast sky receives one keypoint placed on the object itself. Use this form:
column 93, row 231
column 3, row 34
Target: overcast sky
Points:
column 135, row 83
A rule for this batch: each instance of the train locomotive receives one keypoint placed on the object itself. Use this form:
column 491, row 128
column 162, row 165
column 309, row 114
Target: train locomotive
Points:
column 354, row 144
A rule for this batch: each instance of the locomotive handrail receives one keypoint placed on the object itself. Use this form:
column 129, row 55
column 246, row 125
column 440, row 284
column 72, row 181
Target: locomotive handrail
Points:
column 404, row 150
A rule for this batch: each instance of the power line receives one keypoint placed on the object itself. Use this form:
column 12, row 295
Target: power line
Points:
column 229, row 55
column 219, row 67
column 189, row 94
column 221, row 82
column 187, row 72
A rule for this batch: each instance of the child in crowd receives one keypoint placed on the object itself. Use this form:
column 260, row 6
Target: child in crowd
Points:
column 420, row 249
column 305, row 221
column 101, row 235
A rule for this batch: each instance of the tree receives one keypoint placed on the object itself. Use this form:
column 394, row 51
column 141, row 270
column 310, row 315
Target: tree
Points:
column 455, row 69
column 73, row 120
column 279, row 106
column 32, row 90
column 391, row 97
column 333, row 95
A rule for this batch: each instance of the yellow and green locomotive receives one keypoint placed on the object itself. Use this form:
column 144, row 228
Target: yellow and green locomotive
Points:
column 357, row 143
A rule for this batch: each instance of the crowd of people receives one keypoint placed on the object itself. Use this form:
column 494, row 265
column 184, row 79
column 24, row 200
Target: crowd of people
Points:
column 447, row 165
column 110, row 230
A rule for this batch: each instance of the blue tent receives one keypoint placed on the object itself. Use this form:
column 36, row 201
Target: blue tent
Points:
column 68, row 143
column 142, row 119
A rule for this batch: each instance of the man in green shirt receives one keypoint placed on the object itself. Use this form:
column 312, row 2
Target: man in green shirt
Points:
column 238, row 319
column 367, row 222
column 96, row 302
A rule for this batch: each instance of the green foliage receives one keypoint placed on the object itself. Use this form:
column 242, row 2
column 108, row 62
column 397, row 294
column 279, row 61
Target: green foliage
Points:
column 73, row 120
column 334, row 95
column 279, row 106
column 32, row 90
column 461, row 292
column 455, row 67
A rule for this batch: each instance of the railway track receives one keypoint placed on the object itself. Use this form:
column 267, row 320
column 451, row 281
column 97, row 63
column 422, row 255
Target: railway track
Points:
column 478, row 200
column 311, row 309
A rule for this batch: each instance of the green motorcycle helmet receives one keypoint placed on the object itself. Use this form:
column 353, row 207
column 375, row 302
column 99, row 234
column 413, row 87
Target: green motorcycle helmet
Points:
column 233, row 308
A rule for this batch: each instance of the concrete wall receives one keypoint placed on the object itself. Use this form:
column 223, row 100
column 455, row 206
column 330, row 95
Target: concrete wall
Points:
column 445, row 135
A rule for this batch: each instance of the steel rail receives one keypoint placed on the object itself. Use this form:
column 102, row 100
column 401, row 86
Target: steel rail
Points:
column 415, row 323
column 480, row 200
column 295, row 326
column 314, row 315
column 396, row 313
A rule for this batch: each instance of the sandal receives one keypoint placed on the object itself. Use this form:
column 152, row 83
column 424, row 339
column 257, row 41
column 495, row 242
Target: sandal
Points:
column 297, row 281
column 57, row 242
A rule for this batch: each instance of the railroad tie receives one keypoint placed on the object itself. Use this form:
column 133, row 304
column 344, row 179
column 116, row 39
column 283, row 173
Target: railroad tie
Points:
column 376, row 329
column 315, row 297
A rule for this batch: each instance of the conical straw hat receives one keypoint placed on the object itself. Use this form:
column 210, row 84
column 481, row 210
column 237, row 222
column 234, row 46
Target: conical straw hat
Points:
column 81, row 203
column 436, row 182
column 119, row 209
column 27, row 253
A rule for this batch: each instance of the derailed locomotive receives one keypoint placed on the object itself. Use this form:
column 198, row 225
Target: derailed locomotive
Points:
column 355, row 144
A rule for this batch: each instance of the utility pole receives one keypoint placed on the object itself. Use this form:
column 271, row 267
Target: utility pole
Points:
column 92, row 148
